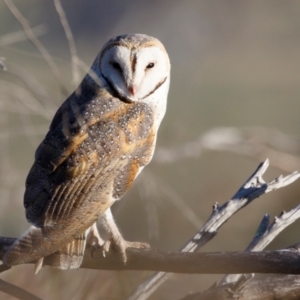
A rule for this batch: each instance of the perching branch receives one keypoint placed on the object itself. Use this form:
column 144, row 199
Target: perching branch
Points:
column 285, row 261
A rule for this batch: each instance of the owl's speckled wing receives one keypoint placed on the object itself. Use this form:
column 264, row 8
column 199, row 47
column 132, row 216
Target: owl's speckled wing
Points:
column 93, row 151
column 91, row 154
column 99, row 140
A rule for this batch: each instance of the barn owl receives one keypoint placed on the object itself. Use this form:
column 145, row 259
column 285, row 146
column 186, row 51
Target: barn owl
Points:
column 99, row 140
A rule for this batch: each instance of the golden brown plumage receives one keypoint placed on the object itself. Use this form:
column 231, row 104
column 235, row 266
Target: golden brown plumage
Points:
column 99, row 140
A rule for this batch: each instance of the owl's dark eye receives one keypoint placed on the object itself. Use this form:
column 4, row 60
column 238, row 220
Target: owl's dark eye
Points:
column 116, row 66
column 150, row 66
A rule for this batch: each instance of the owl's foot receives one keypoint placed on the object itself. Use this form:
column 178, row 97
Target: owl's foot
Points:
column 94, row 239
column 120, row 245
column 116, row 242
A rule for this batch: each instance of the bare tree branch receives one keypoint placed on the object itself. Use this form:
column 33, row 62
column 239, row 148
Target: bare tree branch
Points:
column 285, row 261
column 254, row 187
column 266, row 234
column 276, row 287
column 88, row 70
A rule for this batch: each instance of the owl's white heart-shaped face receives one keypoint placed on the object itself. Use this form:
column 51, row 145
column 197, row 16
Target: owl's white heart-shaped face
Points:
column 135, row 66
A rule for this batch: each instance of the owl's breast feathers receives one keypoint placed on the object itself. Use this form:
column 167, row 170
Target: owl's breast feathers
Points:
column 93, row 151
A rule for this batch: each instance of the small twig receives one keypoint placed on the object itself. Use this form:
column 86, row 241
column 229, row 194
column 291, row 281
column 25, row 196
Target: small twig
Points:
column 16, row 291
column 24, row 97
column 70, row 39
column 33, row 39
column 270, row 288
column 88, row 70
column 2, row 64
column 265, row 236
column 19, row 36
column 44, row 100
column 252, row 142
column 241, row 282
column 150, row 182
column 254, row 187
column 19, row 131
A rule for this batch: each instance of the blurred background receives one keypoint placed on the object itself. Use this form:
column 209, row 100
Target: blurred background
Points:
column 235, row 66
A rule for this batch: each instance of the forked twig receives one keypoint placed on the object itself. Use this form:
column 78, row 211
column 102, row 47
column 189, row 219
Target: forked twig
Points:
column 265, row 235
column 273, row 287
column 254, row 187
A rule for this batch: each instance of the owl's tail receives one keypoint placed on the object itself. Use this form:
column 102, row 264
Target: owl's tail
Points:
column 70, row 256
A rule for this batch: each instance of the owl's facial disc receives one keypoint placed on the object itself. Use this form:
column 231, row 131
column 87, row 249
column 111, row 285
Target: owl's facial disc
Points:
column 134, row 74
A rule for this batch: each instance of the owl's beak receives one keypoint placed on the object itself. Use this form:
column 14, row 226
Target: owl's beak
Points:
column 132, row 90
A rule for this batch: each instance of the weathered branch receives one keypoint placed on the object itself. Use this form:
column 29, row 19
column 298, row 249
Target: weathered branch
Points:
column 265, row 235
column 254, row 187
column 286, row 261
column 270, row 288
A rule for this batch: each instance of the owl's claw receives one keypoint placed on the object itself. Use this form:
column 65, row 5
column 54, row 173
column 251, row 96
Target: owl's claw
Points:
column 38, row 265
column 120, row 245
column 94, row 239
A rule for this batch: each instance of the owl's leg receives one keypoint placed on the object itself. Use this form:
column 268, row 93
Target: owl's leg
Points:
column 94, row 239
column 117, row 241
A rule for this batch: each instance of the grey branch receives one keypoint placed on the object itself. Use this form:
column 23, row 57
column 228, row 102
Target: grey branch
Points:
column 285, row 261
column 265, row 235
column 254, row 187
column 278, row 287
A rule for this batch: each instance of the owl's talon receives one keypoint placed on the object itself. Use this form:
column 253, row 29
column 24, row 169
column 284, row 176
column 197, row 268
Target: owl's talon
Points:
column 94, row 239
column 120, row 245
column 38, row 265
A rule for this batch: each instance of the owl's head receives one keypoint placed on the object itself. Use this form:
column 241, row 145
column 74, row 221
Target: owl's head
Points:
column 134, row 66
